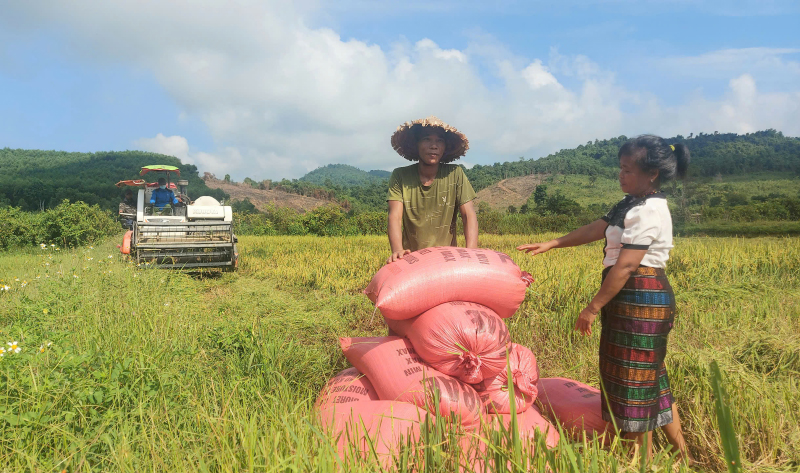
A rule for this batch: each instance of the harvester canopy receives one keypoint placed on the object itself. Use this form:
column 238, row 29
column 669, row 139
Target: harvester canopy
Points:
column 159, row 167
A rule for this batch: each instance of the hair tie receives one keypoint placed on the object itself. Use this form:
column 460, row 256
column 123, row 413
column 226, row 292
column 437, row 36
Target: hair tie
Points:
column 672, row 147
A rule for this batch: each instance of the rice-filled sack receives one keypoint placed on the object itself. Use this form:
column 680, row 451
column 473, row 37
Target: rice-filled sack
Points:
column 346, row 386
column 529, row 422
column 398, row 374
column 460, row 339
column 432, row 276
column 382, row 425
column 476, row 452
column 525, row 376
column 576, row 406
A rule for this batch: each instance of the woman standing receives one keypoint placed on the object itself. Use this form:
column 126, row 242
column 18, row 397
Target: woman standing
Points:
column 635, row 300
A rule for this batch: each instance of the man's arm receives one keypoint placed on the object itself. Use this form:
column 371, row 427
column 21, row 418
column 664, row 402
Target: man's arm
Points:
column 396, row 230
column 470, row 221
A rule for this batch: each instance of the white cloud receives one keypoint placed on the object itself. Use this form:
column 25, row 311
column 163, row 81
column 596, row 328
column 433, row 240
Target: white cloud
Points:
column 726, row 62
column 281, row 97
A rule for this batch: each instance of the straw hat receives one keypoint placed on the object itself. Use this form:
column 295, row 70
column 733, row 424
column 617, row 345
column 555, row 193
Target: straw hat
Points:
column 404, row 140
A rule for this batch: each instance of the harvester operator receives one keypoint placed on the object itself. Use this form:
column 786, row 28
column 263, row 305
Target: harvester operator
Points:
column 163, row 196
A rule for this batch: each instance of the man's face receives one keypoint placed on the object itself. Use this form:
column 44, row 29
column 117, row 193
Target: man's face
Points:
column 431, row 148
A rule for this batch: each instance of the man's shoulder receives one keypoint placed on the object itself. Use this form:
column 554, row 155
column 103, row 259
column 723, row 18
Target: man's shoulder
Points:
column 452, row 171
column 404, row 172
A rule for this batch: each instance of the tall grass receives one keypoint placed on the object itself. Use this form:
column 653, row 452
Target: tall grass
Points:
column 151, row 370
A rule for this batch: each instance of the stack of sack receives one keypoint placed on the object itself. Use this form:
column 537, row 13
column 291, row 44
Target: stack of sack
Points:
column 453, row 351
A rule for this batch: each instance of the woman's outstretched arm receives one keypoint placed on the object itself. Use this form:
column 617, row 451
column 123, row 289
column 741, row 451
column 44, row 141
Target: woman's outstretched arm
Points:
column 586, row 234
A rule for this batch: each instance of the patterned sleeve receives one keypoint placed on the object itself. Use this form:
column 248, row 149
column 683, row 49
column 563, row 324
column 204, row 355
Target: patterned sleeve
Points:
column 395, row 186
column 465, row 191
column 642, row 226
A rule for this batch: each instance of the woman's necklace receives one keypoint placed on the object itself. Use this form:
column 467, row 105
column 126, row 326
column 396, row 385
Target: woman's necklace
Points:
column 656, row 191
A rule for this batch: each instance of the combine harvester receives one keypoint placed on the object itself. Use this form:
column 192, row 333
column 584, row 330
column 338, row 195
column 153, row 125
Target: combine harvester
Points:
column 192, row 234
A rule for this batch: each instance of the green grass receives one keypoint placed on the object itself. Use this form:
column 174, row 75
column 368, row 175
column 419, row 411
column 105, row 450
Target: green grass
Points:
column 606, row 191
column 581, row 189
column 151, row 370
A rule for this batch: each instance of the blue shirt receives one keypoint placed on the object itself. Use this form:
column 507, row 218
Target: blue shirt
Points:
column 162, row 197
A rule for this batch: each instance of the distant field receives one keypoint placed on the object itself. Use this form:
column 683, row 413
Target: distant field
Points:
column 603, row 190
column 151, row 370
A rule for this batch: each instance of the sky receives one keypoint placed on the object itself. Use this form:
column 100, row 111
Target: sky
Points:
column 273, row 89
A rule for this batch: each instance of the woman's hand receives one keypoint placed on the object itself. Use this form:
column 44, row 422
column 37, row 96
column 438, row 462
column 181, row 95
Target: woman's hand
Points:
column 536, row 248
column 397, row 255
column 584, row 322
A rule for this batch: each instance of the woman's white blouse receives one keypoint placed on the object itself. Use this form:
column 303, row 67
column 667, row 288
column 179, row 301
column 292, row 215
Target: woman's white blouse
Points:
column 640, row 224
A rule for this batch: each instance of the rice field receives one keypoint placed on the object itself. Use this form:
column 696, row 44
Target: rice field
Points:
column 123, row 368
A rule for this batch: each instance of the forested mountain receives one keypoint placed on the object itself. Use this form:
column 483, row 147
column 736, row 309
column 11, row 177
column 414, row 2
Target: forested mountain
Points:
column 344, row 175
column 35, row 179
column 712, row 154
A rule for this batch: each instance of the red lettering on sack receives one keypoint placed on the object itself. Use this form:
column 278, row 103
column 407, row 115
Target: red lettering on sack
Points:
column 492, row 322
column 475, row 318
column 410, row 259
column 471, row 400
column 413, row 359
column 463, row 253
column 482, row 258
column 569, row 384
column 504, row 258
column 452, row 387
column 424, row 251
column 448, row 255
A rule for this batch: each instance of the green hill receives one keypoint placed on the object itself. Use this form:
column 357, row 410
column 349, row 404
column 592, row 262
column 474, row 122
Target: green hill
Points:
column 712, row 154
column 344, row 175
column 36, row 179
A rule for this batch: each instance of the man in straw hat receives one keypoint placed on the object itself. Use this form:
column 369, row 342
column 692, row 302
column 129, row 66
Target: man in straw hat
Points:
column 423, row 197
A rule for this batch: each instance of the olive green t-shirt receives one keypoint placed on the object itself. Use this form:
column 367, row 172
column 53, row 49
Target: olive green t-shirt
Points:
column 430, row 213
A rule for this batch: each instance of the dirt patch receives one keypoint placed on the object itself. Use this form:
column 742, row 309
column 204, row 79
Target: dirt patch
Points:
column 263, row 198
column 514, row 191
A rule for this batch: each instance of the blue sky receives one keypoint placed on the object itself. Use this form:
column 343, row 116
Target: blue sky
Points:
column 271, row 89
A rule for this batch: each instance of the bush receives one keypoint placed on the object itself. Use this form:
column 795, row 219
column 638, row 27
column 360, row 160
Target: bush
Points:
column 371, row 223
column 255, row 224
column 327, row 220
column 68, row 224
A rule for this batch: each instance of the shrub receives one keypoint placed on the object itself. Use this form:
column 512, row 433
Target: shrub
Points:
column 327, row 220
column 371, row 223
column 68, row 224
column 255, row 224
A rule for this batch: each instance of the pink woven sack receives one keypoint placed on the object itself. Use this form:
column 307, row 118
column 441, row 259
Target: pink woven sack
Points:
column 460, row 339
column 398, row 374
column 525, row 375
column 576, row 406
column 432, row 276
column 346, row 386
column 386, row 425
column 530, row 421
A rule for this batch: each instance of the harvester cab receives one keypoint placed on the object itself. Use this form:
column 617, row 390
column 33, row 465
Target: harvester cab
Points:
column 187, row 234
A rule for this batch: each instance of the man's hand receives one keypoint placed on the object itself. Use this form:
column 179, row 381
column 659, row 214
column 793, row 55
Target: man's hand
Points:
column 397, row 255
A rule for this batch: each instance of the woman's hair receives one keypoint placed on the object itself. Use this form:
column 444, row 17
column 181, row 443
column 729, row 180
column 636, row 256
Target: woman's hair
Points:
column 653, row 153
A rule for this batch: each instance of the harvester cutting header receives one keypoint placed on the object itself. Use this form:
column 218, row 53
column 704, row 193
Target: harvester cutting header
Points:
column 170, row 230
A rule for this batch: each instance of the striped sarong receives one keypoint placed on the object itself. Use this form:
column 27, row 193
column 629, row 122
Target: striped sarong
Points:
column 633, row 345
